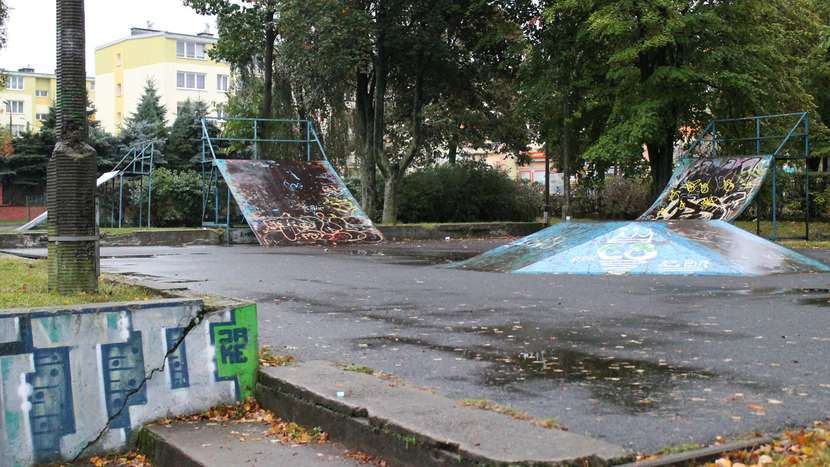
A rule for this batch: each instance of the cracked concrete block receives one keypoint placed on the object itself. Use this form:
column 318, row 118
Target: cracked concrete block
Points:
column 79, row 380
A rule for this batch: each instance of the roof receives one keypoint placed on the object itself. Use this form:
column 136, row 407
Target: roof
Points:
column 34, row 74
column 144, row 33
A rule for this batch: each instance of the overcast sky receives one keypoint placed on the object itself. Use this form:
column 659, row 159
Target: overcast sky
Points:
column 31, row 27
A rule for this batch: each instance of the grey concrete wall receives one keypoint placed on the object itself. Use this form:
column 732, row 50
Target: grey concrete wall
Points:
column 79, row 380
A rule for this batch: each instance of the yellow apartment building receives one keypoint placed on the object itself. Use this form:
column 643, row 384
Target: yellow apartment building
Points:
column 177, row 63
column 26, row 98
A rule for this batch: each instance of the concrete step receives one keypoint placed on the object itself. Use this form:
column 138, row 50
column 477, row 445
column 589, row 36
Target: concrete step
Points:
column 410, row 426
column 208, row 444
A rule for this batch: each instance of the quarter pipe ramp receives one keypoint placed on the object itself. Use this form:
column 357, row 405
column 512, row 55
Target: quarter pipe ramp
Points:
column 289, row 203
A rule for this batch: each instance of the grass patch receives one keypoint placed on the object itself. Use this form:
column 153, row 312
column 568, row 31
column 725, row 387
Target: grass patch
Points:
column 679, row 448
column 359, row 369
column 484, row 404
column 811, row 245
column 24, row 285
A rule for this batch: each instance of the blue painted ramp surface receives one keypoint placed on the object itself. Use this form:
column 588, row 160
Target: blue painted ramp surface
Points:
column 645, row 248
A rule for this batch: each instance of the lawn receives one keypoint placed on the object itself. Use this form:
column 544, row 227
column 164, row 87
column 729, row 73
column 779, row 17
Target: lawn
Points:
column 24, row 285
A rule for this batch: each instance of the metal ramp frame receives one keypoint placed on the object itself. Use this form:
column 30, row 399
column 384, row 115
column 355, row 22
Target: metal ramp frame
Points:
column 137, row 161
column 781, row 137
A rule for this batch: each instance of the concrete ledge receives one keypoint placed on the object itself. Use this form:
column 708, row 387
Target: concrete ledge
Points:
column 163, row 237
column 78, row 380
column 408, row 426
column 27, row 240
column 460, row 230
column 230, row 443
column 159, row 237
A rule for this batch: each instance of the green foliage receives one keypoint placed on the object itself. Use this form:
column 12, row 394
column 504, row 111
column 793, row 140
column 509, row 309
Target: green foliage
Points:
column 466, row 192
column 177, row 198
column 4, row 16
column 184, row 143
column 147, row 123
column 624, row 198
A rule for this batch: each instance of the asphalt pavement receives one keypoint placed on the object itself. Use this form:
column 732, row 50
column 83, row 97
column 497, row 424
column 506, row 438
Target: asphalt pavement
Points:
column 642, row 362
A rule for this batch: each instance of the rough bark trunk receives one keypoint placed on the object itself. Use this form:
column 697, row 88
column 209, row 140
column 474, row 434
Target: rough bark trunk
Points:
column 365, row 126
column 73, row 259
column 660, row 161
column 390, row 199
column 270, row 37
column 452, row 155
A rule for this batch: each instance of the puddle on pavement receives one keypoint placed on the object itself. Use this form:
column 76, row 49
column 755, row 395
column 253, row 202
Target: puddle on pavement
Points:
column 634, row 385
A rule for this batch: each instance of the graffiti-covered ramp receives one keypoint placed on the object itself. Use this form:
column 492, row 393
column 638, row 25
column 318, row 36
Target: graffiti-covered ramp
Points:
column 711, row 188
column 647, row 248
column 288, row 203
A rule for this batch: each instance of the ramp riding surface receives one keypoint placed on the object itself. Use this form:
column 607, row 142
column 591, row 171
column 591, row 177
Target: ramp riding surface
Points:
column 710, row 188
column 289, row 203
column 656, row 248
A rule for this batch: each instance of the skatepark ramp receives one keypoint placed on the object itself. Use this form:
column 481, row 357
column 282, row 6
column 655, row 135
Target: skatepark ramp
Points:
column 684, row 247
column 711, row 188
column 686, row 230
column 296, row 202
column 292, row 201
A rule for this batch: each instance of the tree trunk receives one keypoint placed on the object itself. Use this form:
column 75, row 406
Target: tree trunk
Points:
column 365, row 126
column 73, row 259
column 566, row 157
column 390, row 199
column 661, row 163
column 452, row 155
column 268, row 66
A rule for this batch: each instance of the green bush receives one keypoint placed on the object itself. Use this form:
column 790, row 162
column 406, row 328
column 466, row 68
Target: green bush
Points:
column 625, row 198
column 177, row 198
column 466, row 192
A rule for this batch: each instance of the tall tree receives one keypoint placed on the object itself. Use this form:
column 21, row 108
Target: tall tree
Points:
column 148, row 123
column 407, row 60
column 73, row 258
column 184, row 143
column 677, row 62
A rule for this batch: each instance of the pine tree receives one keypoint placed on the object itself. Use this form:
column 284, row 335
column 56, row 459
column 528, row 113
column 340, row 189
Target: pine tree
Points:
column 184, row 142
column 147, row 124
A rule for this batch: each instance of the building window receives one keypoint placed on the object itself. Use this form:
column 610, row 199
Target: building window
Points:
column 188, row 80
column 220, row 110
column 222, row 83
column 186, row 49
column 15, row 107
column 15, row 82
column 17, row 130
column 41, row 117
column 42, row 93
column 118, row 90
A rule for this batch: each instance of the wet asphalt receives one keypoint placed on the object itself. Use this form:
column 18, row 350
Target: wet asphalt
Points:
column 644, row 362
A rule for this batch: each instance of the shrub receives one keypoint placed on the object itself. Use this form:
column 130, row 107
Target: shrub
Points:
column 624, row 198
column 466, row 192
column 177, row 198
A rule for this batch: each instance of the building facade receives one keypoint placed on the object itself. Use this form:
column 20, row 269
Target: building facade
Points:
column 178, row 64
column 26, row 98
